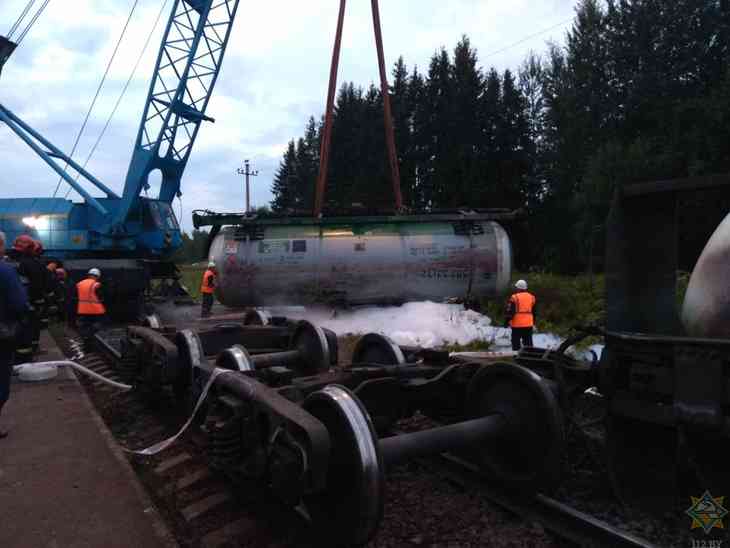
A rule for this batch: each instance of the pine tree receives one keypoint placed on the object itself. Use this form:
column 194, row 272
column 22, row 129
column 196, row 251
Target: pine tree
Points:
column 488, row 195
column 402, row 107
column 420, row 139
column 285, row 185
column 439, row 101
column 512, row 145
column 465, row 126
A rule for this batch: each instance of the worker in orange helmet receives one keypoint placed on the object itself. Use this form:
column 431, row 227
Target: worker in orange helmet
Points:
column 520, row 315
column 207, row 288
column 90, row 310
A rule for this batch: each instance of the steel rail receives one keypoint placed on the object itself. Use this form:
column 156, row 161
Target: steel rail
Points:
column 560, row 518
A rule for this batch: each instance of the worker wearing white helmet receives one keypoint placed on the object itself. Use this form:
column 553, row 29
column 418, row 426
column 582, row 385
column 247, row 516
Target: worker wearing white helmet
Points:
column 520, row 315
column 207, row 288
column 90, row 310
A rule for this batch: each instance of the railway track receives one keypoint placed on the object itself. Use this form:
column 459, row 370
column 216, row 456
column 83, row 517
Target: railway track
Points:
column 206, row 509
column 203, row 508
column 566, row 522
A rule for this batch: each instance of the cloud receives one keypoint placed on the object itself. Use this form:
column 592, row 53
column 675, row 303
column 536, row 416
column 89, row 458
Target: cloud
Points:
column 273, row 78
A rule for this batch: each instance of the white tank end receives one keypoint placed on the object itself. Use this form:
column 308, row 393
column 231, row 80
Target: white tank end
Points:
column 706, row 307
column 504, row 259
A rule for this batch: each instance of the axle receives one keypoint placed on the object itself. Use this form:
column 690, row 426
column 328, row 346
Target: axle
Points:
column 461, row 435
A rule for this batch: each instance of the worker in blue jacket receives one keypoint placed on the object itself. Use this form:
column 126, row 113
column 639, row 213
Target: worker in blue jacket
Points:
column 14, row 307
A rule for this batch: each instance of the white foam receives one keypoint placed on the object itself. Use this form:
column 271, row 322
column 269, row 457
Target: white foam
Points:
column 425, row 324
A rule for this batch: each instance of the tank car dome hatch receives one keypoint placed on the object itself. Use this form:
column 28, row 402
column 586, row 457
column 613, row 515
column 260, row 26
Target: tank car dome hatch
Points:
column 361, row 260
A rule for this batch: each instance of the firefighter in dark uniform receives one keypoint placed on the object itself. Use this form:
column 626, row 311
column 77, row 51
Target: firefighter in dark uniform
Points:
column 32, row 272
column 60, row 288
column 13, row 308
column 48, row 281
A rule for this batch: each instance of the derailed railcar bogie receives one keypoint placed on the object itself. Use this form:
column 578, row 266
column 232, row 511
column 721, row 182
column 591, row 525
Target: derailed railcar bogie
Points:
column 503, row 415
column 323, row 436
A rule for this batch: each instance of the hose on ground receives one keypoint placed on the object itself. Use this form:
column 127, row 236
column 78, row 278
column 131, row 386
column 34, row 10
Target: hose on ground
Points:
column 81, row 369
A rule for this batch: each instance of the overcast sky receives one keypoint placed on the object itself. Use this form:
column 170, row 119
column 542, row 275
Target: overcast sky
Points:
column 274, row 77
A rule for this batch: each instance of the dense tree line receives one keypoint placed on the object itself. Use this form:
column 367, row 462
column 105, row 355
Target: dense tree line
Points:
column 640, row 90
column 194, row 248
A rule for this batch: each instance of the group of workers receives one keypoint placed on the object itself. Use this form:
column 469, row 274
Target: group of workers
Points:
column 32, row 291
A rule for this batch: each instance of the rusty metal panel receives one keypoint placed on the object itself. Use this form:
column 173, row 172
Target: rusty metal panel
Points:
column 641, row 264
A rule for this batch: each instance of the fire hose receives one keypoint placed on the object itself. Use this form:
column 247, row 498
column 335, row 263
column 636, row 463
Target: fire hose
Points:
column 157, row 447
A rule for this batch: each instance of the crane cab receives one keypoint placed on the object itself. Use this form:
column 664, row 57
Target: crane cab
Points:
column 156, row 227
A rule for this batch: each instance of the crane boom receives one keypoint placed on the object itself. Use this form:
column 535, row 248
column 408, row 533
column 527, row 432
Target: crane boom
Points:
column 187, row 68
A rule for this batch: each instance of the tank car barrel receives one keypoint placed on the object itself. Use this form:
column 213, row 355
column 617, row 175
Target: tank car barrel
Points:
column 461, row 435
column 361, row 261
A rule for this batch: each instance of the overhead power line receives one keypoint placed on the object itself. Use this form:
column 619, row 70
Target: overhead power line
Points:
column 526, row 38
column 98, row 90
column 124, row 89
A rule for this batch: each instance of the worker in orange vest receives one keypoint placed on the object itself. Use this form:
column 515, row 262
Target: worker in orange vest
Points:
column 207, row 288
column 521, row 315
column 90, row 310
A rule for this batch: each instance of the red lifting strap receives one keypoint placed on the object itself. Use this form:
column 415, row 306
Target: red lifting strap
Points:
column 385, row 91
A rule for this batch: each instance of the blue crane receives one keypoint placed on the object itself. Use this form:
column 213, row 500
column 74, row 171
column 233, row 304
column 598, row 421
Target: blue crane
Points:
column 130, row 233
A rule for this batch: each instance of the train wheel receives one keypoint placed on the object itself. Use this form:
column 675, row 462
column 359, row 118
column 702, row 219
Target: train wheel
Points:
column 152, row 321
column 189, row 385
column 235, row 358
column 529, row 454
column 311, row 341
column 256, row 317
column 350, row 508
column 374, row 348
column 333, row 345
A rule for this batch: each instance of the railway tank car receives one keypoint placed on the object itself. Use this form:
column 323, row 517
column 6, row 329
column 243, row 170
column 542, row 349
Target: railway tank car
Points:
column 706, row 308
column 367, row 260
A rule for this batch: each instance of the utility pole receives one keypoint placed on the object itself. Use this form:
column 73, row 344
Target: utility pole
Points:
column 246, row 171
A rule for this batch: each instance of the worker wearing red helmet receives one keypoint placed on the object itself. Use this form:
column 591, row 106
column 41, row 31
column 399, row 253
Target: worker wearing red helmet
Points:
column 52, row 285
column 33, row 273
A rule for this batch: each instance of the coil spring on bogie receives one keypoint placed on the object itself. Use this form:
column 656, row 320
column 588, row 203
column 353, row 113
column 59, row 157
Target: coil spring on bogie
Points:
column 225, row 442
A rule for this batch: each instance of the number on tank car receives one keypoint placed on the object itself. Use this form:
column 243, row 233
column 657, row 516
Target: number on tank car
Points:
column 423, row 251
column 444, row 274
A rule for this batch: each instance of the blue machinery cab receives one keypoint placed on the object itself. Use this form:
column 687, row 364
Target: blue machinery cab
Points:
column 129, row 236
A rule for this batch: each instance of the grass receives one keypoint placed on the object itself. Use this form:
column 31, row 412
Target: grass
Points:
column 562, row 301
column 477, row 345
column 191, row 276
